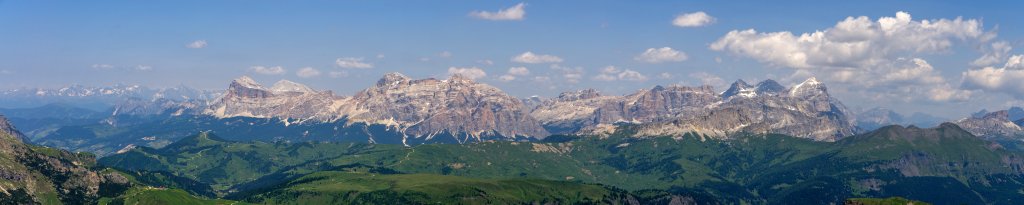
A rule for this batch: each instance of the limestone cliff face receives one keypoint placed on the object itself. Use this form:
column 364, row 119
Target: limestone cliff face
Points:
column 427, row 107
column 805, row 110
column 574, row 111
column 246, row 98
column 992, row 124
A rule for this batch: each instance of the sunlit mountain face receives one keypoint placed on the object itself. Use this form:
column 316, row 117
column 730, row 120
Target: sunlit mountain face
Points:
column 510, row 102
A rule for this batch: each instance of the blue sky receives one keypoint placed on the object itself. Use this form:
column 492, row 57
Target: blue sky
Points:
column 55, row 43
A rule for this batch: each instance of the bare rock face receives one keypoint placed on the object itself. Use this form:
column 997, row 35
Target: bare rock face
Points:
column 288, row 100
column 992, row 124
column 426, row 107
column 579, row 110
column 7, row 128
column 805, row 110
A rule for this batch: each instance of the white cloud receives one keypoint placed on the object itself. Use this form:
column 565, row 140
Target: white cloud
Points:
column 611, row 73
column 470, row 72
column 994, row 53
column 485, row 62
column 143, row 67
column 102, row 66
column 877, row 58
column 665, row 75
column 659, row 55
column 708, row 79
column 445, row 54
column 338, row 74
column 196, row 44
column 854, row 42
column 520, row 71
column 506, row 78
column 307, row 72
column 530, row 57
column 1007, row 79
column 514, row 13
column 276, row 70
column 696, row 19
column 571, row 74
column 352, row 63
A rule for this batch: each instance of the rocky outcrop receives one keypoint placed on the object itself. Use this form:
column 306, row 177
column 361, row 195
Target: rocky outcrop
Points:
column 287, row 100
column 426, row 107
column 992, row 124
column 579, row 110
column 806, row 110
column 32, row 174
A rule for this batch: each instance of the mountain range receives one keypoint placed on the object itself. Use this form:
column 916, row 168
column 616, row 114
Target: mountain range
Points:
column 401, row 110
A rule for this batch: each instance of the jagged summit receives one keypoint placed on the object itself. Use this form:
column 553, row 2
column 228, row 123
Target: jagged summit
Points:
column 769, row 86
column 285, row 86
column 246, row 81
column 809, row 88
column 739, row 88
column 391, row 79
column 579, row 95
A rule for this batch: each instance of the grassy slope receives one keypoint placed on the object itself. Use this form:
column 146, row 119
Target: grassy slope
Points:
column 749, row 168
column 362, row 187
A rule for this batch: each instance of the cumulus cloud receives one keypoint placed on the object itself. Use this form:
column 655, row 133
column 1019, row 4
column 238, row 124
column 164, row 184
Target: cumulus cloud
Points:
column 307, row 72
column 265, row 70
column 102, row 66
column 352, row 63
column 708, row 79
column 665, row 75
column 143, row 67
column 196, row 44
column 514, row 13
column 445, row 54
column 1007, row 79
column 993, row 53
column 520, row 71
column 470, row 72
column 611, row 73
column 853, row 42
column 659, row 55
column 338, row 74
column 530, row 57
column 876, row 56
column 513, row 72
column 570, row 74
column 696, row 19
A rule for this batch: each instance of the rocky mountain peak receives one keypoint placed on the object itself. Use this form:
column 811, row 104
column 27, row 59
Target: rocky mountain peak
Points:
column 391, row 78
column 740, row 88
column 579, row 95
column 997, row 115
column 285, row 86
column 7, row 127
column 247, row 82
column 769, row 86
column 808, row 88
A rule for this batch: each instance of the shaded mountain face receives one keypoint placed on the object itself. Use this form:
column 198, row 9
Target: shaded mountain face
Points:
column 805, row 110
column 879, row 117
column 33, row 175
column 992, row 124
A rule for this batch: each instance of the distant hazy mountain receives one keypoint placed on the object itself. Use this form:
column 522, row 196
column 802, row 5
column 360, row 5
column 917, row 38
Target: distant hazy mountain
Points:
column 995, row 124
column 97, row 98
column 879, row 117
